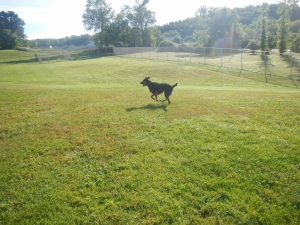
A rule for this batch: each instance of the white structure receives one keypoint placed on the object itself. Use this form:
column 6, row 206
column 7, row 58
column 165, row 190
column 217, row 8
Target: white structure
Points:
column 70, row 47
column 91, row 45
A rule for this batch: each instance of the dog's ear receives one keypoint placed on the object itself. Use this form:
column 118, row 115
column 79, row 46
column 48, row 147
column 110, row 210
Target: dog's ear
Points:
column 148, row 78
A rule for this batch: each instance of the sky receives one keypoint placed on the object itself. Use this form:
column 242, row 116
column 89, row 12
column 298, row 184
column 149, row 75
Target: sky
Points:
column 61, row 18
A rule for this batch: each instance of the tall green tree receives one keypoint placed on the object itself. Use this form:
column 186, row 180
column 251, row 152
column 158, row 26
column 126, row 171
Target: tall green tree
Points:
column 98, row 16
column 173, row 35
column 11, row 30
column 283, row 26
column 294, row 10
column 263, row 36
column 223, row 26
column 201, row 34
column 8, row 40
column 142, row 18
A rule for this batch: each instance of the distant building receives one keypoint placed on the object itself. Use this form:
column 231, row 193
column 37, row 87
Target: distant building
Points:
column 71, row 47
column 91, row 45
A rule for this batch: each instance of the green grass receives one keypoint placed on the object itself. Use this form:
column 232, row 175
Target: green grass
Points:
column 82, row 142
column 281, row 66
column 49, row 55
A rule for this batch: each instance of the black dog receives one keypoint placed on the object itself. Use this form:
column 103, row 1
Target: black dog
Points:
column 157, row 89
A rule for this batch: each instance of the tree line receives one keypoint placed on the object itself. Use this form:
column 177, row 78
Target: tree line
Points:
column 261, row 27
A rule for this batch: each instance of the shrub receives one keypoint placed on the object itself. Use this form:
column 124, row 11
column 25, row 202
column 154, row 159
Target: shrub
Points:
column 295, row 45
column 189, row 39
column 166, row 43
column 253, row 45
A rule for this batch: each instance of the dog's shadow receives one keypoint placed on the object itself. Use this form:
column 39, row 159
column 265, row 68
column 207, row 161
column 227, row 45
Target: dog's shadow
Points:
column 148, row 107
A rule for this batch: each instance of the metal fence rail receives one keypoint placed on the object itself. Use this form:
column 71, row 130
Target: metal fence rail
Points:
column 47, row 55
column 270, row 67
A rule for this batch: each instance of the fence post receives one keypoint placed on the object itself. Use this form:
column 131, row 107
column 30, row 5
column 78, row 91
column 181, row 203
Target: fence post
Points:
column 291, row 69
column 204, row 56
column 221, row 57
column 241, row 62
column 265, row 59
column 3, row 58
column 167, row 53
column 141, row 52
column 291, row 65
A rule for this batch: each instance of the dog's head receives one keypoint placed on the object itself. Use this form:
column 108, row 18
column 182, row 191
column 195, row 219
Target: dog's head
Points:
column 146, row 81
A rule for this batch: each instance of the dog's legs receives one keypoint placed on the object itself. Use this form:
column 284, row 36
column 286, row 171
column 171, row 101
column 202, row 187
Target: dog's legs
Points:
column 167, row 95
column 152, row 96
column 168, row 100
column 155, row 99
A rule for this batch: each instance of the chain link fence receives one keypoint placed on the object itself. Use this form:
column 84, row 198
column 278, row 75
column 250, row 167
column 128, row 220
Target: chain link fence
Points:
column 270, row 67
column 47, row 55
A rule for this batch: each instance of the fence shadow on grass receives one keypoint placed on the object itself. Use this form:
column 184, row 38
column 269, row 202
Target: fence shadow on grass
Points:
column 148, row 107
column 294, row 64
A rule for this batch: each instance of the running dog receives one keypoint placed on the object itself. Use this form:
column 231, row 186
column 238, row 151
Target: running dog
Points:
column 156, row 89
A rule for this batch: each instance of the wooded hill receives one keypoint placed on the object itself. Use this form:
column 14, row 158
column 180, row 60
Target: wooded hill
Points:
column 256, row 27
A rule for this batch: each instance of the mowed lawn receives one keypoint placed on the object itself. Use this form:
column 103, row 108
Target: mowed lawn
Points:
column 82, row 142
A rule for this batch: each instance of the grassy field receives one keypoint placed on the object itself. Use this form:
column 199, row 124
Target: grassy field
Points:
column 273, row 64
column 82, row 142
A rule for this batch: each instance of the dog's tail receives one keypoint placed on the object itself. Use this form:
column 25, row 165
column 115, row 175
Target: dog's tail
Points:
column 174, row 85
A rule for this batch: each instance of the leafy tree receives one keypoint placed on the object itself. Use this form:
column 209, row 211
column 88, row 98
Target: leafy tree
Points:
column 294, row 10
column 263, row 37
column 173, row 35
column 166, row 43
column 295, row 44
column 118, row 31
column 283, row 26
column 142, row 18
column 245, row 33
column 11, row 30
column 272, row 34
column 8, row 39
column 189, row 39
column 223, row 25
column 201, row 34
column 75, row 40
column 253, row 45
column 33, row 44
column 121, row 28
column 201, row 37
column 158, row 36
column 97, row 17
column 295, row 26
column 185, row 27
column 272, row 12
column 247, row 14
